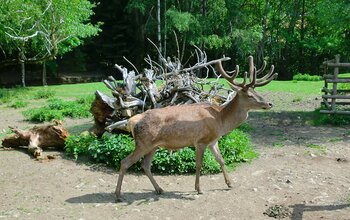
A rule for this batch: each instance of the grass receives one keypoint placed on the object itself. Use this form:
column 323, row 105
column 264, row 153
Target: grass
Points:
column 298, row 88
column 318, row 148
column 68, row 92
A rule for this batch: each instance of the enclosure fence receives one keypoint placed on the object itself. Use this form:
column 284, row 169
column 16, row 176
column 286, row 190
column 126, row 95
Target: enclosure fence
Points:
column 335, row 98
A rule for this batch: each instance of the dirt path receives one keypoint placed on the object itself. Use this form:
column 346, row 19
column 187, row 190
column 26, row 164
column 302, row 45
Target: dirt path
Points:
column 304, row 168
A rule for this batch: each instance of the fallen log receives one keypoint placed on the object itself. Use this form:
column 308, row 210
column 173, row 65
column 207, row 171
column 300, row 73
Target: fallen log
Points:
column 37, row 138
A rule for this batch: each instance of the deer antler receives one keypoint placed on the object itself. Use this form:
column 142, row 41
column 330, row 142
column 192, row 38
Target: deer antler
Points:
column 254, row 82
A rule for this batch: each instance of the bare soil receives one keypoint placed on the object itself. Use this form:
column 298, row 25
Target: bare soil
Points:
column 301, row 168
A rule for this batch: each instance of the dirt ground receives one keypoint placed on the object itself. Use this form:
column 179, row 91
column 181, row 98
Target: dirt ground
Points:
column 303, row 168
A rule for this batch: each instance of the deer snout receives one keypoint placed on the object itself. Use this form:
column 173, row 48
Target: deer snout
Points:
column 267, row 105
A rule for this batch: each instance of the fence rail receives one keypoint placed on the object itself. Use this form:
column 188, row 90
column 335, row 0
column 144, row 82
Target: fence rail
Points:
column 333, row 97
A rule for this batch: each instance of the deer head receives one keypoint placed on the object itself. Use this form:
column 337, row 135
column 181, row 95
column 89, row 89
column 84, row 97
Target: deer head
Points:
column 245, row 91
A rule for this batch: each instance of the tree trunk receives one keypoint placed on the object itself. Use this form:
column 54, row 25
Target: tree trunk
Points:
column 44, row 74
column 23, row 74
column 164, row 18
column 302, row 37
column 159, row 32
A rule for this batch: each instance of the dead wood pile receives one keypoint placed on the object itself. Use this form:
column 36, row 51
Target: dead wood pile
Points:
column 161, row 84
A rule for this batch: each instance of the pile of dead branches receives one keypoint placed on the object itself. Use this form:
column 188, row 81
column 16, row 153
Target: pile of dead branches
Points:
column 162, row 84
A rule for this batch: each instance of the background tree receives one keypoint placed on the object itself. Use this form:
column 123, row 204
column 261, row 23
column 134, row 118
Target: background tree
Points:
column 37, row 31
column 295, row 35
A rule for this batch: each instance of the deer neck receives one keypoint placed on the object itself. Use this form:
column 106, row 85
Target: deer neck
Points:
column 233, row 114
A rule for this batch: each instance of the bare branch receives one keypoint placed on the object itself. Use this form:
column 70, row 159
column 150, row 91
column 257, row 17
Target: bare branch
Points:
column 133, row 66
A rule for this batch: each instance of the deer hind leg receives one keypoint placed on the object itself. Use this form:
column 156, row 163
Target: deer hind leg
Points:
column 199, row 161
column 146, row 166
column 217, row 154
column 124, row 166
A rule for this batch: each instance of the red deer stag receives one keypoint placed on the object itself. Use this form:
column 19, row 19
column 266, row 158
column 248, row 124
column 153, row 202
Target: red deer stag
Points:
column 198, row 125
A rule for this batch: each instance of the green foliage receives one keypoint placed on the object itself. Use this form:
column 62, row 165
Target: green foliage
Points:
column 294, row 35
column 8, row 95
column 110, row 150
column 181, row 21
column 44, row 94
column 19, row 104
column 42, row 114
column 42, row 29
column 332, row 119
column 59, row 109
column 306, row 77
column 236, row 147
column 78, row 144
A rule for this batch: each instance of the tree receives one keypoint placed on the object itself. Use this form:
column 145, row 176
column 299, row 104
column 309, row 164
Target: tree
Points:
column 36, row 31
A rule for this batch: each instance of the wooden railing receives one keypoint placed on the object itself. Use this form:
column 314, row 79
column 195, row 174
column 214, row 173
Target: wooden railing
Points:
column 333, row 97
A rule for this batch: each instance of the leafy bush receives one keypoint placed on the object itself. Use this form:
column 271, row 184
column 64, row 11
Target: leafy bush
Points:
column 110, row 150
column 78, row 144
column 44, row 94
column 332, row 119
column 19, row 104
column 59, row 109
column 305, row 77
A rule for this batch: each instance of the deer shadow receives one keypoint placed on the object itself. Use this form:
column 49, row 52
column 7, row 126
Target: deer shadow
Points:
column 130, row 197
column 299, row 209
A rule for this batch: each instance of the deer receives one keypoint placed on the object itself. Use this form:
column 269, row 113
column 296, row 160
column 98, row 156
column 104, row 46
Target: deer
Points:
column 200, row 125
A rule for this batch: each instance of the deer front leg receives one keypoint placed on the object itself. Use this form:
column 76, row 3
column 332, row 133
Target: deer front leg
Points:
column 199, row 161
column 218, row 157
column 124, row 166
column 146, row 166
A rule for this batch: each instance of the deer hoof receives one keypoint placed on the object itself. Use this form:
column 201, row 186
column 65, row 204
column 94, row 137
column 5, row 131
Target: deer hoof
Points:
column 159, row 191
column 118, row 200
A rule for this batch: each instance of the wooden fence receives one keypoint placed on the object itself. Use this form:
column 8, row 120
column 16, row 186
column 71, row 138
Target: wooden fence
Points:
column 334, row 99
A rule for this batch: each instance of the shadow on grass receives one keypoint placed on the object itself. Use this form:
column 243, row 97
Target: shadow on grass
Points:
column 130, row 197
column 300, row 209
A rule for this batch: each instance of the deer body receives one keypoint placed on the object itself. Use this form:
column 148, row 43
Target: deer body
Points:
column 198, row 125
column 179, row 126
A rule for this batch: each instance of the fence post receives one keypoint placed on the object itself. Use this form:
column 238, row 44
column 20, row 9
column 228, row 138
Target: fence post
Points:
column 335, row 77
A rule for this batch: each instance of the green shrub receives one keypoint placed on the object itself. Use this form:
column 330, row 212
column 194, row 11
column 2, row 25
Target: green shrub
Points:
column 78, row 144
column 58, row 109
column 8, row 95
column 332, row 119
column 19, row 104
column 110, row 150
column 44, row 94
column 305, row 77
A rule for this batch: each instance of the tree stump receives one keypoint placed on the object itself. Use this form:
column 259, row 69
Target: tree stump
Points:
column 37, row 138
